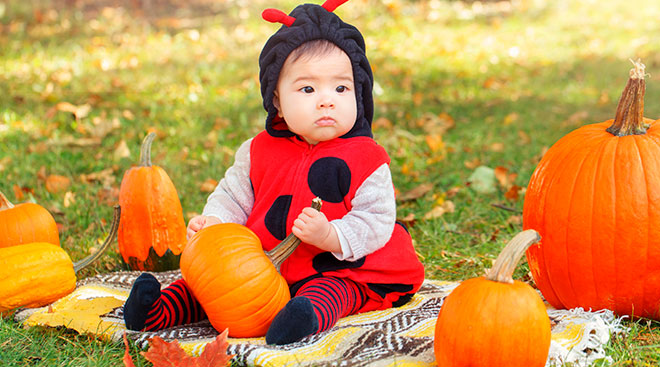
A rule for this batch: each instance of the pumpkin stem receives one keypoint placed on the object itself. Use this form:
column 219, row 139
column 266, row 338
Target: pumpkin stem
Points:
column 4, row 202
column 79, row 265
column 285, row 248
column 505, row 264
column 629, row 119
column 145, row 150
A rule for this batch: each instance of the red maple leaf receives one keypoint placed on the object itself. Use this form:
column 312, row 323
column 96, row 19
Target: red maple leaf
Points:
column 170, row 354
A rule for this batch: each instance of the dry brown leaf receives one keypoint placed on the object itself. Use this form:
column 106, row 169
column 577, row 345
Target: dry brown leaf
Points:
column 436, row 124
column 497, row 147
column 57, row 183
column 4, row 163
column 78, row 112
column 105, row 177
column 504, row 177
column 128, row 361
column 382, row 123
column 435, row 142
column 170, row 354
column 69, row 198
column 409, row 220
column 513, row 193
column 208, row 185
column 524, row 137
column 472, row 164
column 510, row 118
column 438, row 211
column 122, row 151
column 416, row 192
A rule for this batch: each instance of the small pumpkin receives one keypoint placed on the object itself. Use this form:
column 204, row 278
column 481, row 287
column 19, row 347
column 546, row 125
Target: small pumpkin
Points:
column 235, row 281
column 25, row 223
column 152, row 231
column 36, row 274
column 494, row 320
column 595, row 199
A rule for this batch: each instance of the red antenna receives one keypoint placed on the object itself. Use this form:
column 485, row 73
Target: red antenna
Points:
column 331, row 5
column 277, row 16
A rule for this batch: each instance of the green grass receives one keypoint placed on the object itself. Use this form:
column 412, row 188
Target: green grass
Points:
column 513, row 79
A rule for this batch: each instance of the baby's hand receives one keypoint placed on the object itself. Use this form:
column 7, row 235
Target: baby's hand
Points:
column 313, row 227
column 198, row 222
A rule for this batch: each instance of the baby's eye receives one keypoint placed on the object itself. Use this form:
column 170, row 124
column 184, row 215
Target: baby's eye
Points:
column 307, row 89
column 341, row 89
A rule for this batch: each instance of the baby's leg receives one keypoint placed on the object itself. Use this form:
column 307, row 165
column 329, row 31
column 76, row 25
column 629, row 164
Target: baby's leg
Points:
column 148, row 308
column 317, row 306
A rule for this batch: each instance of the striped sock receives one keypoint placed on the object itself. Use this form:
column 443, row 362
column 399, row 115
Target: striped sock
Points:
column 332, row 298
column 175, row 306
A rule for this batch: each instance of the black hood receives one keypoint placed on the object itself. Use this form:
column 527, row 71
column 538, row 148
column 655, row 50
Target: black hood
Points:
column 314, row 22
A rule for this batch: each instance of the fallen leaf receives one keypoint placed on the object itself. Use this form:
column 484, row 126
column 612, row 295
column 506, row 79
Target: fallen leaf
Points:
column 170, row 354
column 440, row 210
column 57, row 183
column 122, row 151
column 18, row 192
column 167, row 354
column 436, row 124
column 504, row 177
column 435, row 142
column 513, row 193
column 416, row 192
column 78, row 112
column 409, row 220
column 69, row 198
column 128, row 361
column 215, row 353
column 497, row 147
column 510, row 118
column 105, row 177
column 472, row 164
column 524, row 137
column 208, row 185
column 4, row 163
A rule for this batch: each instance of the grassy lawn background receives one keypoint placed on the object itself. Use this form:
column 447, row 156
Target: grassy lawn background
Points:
column 458, row 85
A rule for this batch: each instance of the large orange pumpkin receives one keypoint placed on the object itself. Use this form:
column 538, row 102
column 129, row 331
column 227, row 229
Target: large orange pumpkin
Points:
column 235, row 281
column 25, row 223
column 595, row 200
column 232, row 278
column 152, row 231
column 494, row 321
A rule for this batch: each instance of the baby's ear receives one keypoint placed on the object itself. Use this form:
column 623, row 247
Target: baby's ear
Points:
column 276, row 103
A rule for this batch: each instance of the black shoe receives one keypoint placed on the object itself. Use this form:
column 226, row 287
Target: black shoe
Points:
column 144, row 294
column 294, row 322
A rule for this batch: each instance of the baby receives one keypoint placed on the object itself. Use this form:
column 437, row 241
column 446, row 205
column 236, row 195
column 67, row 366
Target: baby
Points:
column 316, row 85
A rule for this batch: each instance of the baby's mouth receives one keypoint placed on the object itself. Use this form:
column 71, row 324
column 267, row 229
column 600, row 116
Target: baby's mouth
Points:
column 325, row 121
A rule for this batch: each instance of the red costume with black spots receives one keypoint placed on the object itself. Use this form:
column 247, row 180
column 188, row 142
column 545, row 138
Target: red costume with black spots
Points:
column 390, row 275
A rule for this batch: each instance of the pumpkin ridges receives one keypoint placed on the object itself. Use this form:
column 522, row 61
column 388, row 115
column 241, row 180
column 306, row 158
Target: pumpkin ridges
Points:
column 544, row 253
column 153, row 230
column 652, row 256
column 630, row 240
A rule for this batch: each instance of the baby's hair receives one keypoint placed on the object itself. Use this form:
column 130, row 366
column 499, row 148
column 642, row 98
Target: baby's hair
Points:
column 317, row 47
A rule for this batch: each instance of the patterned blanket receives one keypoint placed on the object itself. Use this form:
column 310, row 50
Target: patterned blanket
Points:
column 395, row 337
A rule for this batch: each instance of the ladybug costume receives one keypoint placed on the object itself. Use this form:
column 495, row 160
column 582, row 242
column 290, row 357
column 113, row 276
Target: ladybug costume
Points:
column 277, row 174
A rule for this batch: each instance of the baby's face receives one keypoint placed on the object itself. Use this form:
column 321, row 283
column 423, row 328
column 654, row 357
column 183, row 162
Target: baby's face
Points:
column 316, row 96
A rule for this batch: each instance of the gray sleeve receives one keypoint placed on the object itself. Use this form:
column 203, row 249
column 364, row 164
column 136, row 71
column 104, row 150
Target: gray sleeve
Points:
column 232, row 199
column 369, row 224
